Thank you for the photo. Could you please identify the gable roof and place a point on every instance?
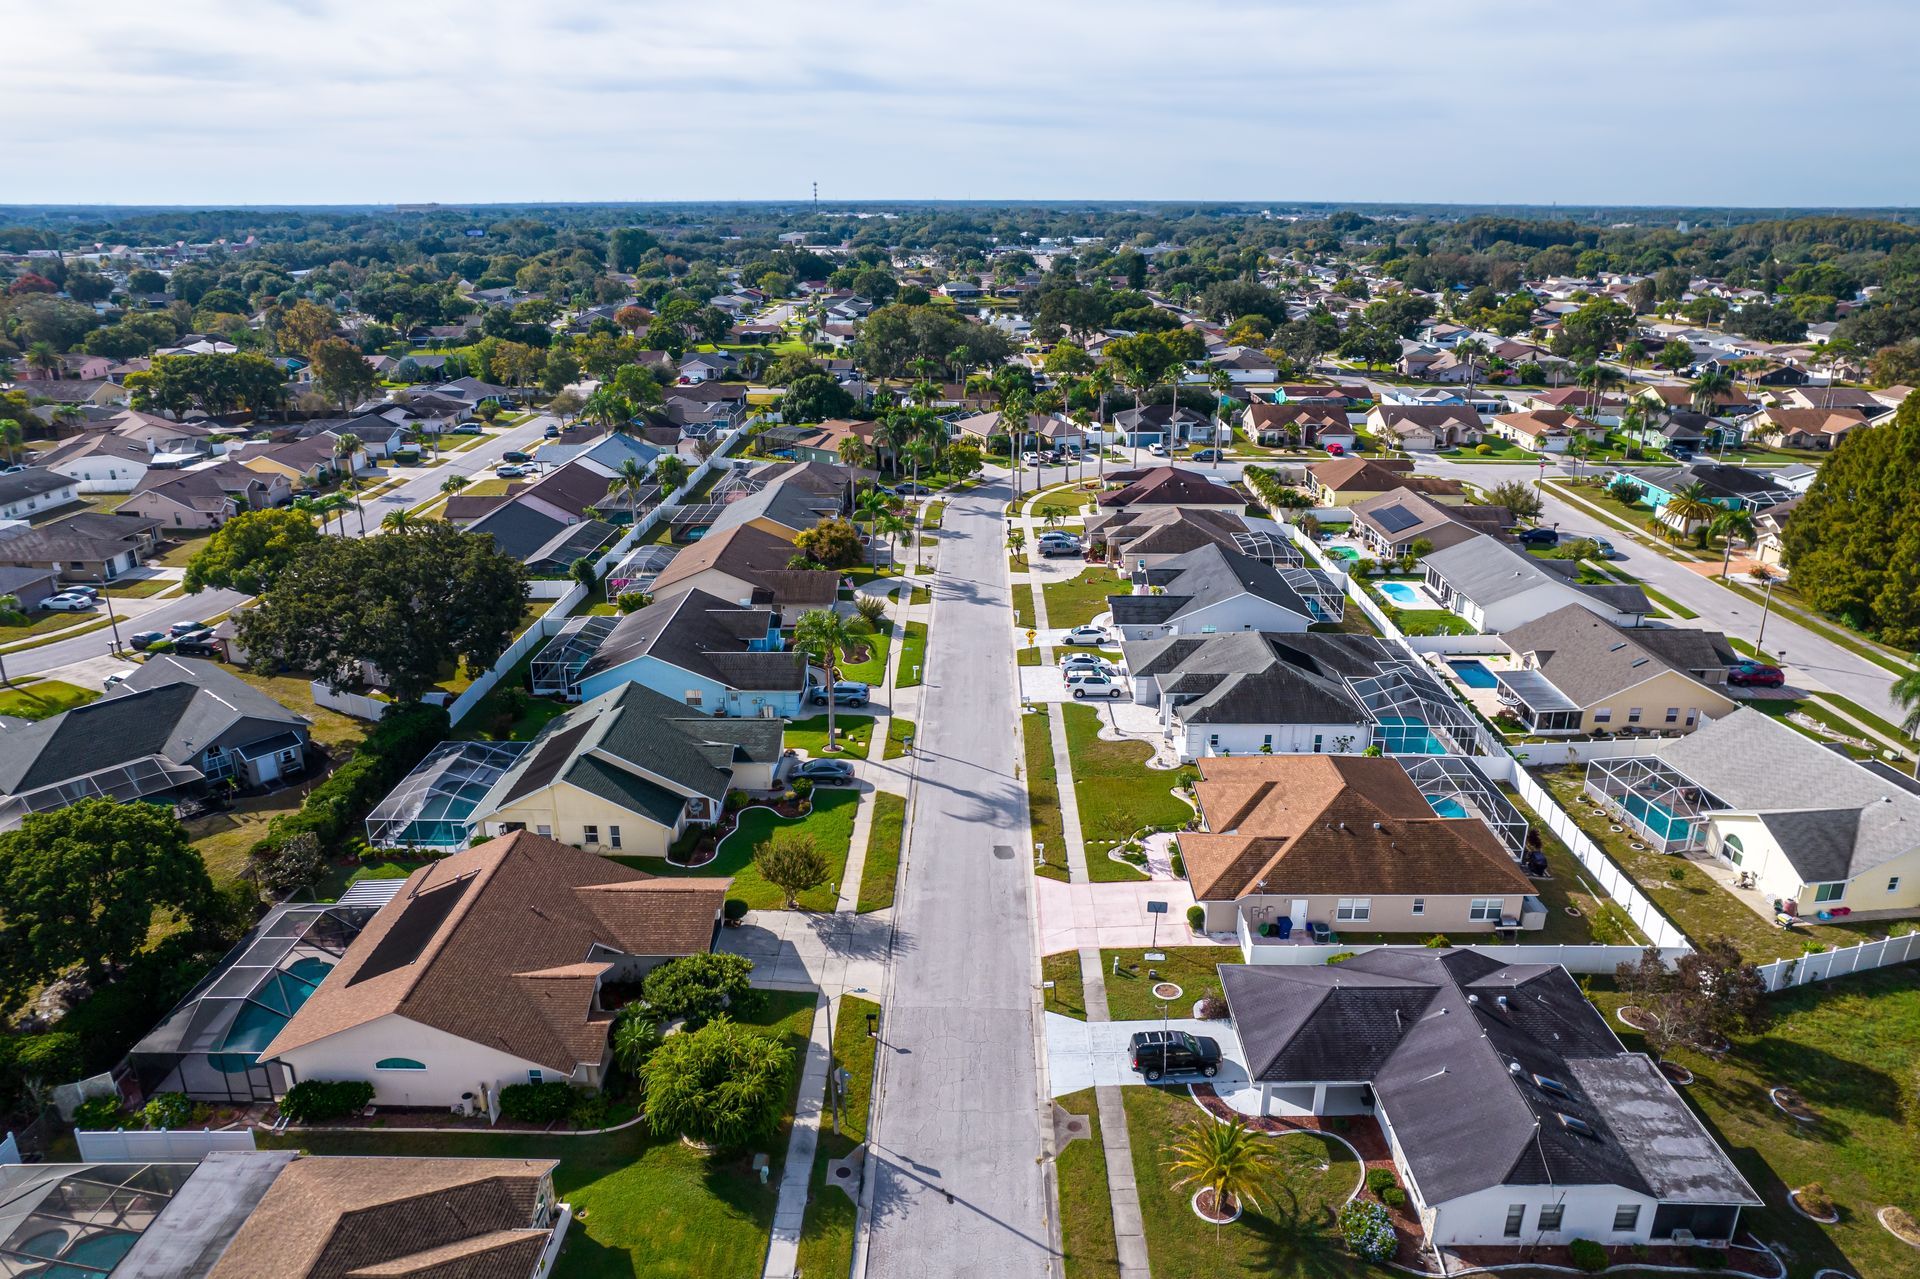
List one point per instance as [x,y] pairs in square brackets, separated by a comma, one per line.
[1169,486]
[458,949]
[1588,659]
[1486,571]
[705,635]
[758,558]
[1202,577]
[1256,677]
[1406,516]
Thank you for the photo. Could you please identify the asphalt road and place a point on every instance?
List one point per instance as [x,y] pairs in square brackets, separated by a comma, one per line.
[961,1177]
[142,615]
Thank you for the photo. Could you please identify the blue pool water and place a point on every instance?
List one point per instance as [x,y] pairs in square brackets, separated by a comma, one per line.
[1660,821]
[1445,806]
[1401,593]
[1344,553]
[98,1253]
[1474,674]
[266,1011]
[1404,735]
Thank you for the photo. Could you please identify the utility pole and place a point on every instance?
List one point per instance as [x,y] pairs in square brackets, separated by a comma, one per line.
[1765,607]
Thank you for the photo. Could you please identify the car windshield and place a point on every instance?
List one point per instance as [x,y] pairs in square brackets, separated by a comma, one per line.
[1189,1042]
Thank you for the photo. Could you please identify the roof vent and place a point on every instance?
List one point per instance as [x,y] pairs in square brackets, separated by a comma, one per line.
[1502,1001]
[1379,826]
[1473,1000]
[1513,1068]
[1343,825]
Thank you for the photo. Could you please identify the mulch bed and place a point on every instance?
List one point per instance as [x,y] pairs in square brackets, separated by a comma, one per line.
[1637,1017]
[1204,1209]
[1746,1258]
[1793,1104]
[1676,1073]
[1902,1230]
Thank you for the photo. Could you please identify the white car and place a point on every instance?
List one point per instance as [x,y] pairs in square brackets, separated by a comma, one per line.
[509,470]
[1094,685]
[1084,635]
[1030,458]
[1081,674]
[1157,449]
[72,602]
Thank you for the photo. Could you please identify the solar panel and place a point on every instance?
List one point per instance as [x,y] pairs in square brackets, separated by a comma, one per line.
[1395,519]
[419,920]
[1573,1125]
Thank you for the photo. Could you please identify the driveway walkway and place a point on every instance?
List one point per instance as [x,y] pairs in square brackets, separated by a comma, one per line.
[1093,1054]
[960,1182]
[1114,915]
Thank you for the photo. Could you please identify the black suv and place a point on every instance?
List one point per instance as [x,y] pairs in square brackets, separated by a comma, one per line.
[1539,537]
[1153,1053]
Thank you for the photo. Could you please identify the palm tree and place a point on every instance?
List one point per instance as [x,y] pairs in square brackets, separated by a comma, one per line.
[1707,390]
[892,523]
[43,357]
[1598,379]
[11,436]
[825,635]
[635,1035]
[855,451]
[1906,692]
[629,482]
[453,484]
[1222,383]
[1633,420]
[670,471]
[347,446]
[1471,352]
[401,521]
[1015,407]
[1689,505]
[352,488]
[870,505]
[1729,525]
[1228,1159]
[1100,381]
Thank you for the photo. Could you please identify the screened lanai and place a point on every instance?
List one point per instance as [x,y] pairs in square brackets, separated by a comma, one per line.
[1655,798]
[209,1046]
[1413,715]
[72,1221]
[431,806]
[1454,787]
[557,666]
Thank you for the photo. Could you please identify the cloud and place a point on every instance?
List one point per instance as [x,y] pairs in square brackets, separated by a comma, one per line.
[352,101]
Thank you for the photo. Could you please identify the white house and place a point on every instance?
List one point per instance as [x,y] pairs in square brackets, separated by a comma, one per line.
[1210,590]
[25,494]
[1496,587]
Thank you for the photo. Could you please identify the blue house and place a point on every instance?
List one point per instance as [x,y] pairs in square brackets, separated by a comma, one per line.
[706,653]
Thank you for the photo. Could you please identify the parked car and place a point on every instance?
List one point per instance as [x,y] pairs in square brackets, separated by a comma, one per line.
[515,455]
[1157,449]
[1606,548]
[1030,458]
[508,470]
[1057,548]
[180,630]
[1153,1053]
[1084,635]
[1058,535]
[1085,662]
[1087,684]
[146,639]
[1210,455]
[910,489]
[1336,450]
[846,693]
[469,428]
[551,433]
[1539,537]
[69,602]
[201,645]
[1752,674]
[825,772]
[91,592]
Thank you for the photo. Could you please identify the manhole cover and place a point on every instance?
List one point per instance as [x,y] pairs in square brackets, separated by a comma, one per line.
[1165,990]
[1003,851]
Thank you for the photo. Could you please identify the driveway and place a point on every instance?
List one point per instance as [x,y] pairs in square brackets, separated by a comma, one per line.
[1091,1054]
[1048,684]
[1114,916]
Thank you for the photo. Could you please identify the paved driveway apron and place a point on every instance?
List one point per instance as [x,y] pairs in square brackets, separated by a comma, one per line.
[960,1183]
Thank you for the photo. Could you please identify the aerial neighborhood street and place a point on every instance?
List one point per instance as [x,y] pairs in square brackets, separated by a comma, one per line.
[586,699]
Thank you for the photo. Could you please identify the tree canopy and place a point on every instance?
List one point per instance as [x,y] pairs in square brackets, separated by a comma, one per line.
[250,551]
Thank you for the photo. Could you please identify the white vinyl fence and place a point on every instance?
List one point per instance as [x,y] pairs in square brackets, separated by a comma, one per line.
[160,1145]
[1784,974]
[1575,959]
[1559,753]
[534,636]
[1457,644]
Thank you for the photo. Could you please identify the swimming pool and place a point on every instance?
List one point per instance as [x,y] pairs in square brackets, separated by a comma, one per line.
[97,1253]
[1343,553]
[1402,593]
[1404,735]
[270,1007]
[1446,806]
[1474,674]
[1657,819]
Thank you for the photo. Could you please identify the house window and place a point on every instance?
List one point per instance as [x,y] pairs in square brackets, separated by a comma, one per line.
[1516,1218]
[1673,714]
[1626,1217]
[1483,910]
[398,1063]
[589,834]
[1354,910]
[1266,742]
[1213,741]
[1736,851]
[1633,715]
[1829,892]
[1316,743]
[1419,905]
[1603,716]
[545,832]
[693,697]
[1893,884]
[1693,717]
[1550,1216]
[613,837]
[533,1076]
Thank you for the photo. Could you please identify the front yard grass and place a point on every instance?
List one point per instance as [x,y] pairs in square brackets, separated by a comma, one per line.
[872,666]
[44,623]
[900,732]
[880,872]
[1848,1046]
[140,588]
[1079,600]
[1290,1236]
[1043,794]
[1687,895]
[183,547]
[826,1235]
[1119,795]
[1068,996]
[852,732]
[831,825]
[43,698]
[1086,1207]
[643,1204]
[1067,499]
[913,656]
[1192,968]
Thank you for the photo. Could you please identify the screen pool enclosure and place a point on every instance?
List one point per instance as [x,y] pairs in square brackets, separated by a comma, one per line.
[209,1046]
[71,1221]
[432,807]
[1413,714]
[1454,787]
[557,666]
[1653,797]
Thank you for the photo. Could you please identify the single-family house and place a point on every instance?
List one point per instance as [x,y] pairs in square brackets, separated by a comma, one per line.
[1769,527]
[1730,403]
[1804,428]
[1426,427]
[1146,535]
[1394,523]
[1212,589]
[207,496]
[1496,587]
[1544,430]
[1160,424]
[746,564]
[1575,673]
[1737,488]
[1349,480]
[31,586]
[102,462]
[1871,404]
[1160,486]
[709,654]
[88,547]
[1290,424]
[34,491]
[450,993]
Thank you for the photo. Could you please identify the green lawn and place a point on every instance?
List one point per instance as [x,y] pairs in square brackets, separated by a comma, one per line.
[45,623]
[900,731]
[1696,904]
[831,825]
[295,692]
[184,546]
[872,666]
[1779,708]
[508,712]
[42,699]
[1119,796]
[643,1204]
[223,839]
[1079,600]
[1067,501]
[1043,794]
[140,588]
[1600,920]
[1290,1236]
[1192,968]
[1086,1207]
[826,1236]
[1789,601]
[1848,1046]
[913,656]
[853,730]
[882,867]
[1497,450]
[1023,604]
[1069,995]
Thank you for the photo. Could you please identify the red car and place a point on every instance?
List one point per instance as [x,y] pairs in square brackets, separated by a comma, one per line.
[1756,675]
[1336,450]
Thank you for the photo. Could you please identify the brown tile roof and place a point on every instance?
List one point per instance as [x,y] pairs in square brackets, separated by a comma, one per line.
[1538,422]
[755,556]
[488,944]
[382,1218]
[1364,475]
[1169,486]
[1334,824]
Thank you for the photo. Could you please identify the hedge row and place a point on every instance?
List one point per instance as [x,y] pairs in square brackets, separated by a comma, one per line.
[335,808]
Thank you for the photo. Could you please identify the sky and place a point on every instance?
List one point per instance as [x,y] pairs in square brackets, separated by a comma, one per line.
[205,102]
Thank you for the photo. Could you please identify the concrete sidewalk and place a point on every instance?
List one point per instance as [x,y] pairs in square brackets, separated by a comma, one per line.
[790,1210]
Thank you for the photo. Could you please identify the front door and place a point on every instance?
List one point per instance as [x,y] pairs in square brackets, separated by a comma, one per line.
[1299,912]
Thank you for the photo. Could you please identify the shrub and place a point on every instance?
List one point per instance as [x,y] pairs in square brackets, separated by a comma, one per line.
[542,1103]
[792,862]
[1814,1200]
[99,1114]
[802,788]
[1379,1179]
[1437,942]
[697,987]
[632,601]
[589,1109]
[724,1083]
[1213,1008]
[314,1100]
[1484,450]
[49,1059]
[1588,1256]
[1367,1230]
[1197,918]
[735,908]
[168,1110]
[871,608]
[1341,957]
[1179,864]
[1393,1197]
[1701,1257]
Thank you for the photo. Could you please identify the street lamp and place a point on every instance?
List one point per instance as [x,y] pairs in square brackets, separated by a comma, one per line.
[1766,606]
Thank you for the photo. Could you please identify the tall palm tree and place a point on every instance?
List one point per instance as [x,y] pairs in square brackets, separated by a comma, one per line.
[1598,379]
[1100,381]
[669,471]
[401,521]
[1707,390]
[891,523]
[351,489]
[825,636]
[855,451]
[1471,352]
[1729,525]
[1015,407]
[1230,1160]
[43,357]
[629,482]
[1906,692]
[1689,505]
[347,446]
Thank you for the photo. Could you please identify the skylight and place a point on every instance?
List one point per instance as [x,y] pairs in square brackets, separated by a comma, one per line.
[1578,1126]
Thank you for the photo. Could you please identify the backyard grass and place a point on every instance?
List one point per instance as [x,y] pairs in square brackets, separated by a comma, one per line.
[508,712]
[1290,1235]
[872,666]
[1601,920]
[1428,621]
[809,736]
[826,1235]
[223,839]
[1192,968]
[1086,1208]
[913,656]
[831,825]
[1043,795]
[900,732]
[1079,600]
[881,870]
[295,692]
[1848,1047]
[41,699]
[183,548]
[1068,996]
[1687,895]
[1119,795]
[643,1204]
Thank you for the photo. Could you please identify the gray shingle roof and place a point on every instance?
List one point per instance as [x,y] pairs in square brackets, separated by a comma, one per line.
[1256,677]
[1588,659]
[1208,576]
[706,635]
